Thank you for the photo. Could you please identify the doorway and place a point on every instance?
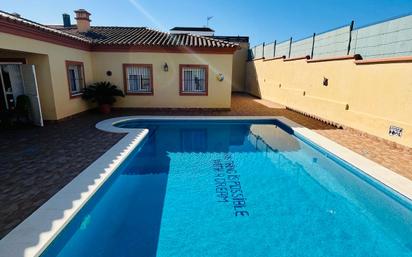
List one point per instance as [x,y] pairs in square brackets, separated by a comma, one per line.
[12,85]
[19,79]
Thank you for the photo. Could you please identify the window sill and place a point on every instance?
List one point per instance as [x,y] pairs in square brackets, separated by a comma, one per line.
[139,93]
[193,93]
[77,95]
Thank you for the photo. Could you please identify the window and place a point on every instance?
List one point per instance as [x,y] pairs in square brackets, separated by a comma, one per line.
[193,79]
[138,78]
[75,76]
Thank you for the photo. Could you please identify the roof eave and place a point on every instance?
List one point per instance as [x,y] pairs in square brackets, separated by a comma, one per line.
[162,49]
[22,30]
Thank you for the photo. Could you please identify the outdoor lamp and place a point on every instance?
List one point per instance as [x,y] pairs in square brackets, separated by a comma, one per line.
[220,77]
[165,67]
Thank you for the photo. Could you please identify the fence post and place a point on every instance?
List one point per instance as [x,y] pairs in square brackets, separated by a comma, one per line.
[290,46]
[274,49]
[350,36]
[313,45]
[263,50]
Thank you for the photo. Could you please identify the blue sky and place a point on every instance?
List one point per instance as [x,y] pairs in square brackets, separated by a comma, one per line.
[262,21]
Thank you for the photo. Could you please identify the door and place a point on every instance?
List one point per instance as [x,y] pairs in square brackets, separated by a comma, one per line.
[3,102]
[30,89]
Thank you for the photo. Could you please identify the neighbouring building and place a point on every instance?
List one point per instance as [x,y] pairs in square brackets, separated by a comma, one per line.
[53,63]
[201,31]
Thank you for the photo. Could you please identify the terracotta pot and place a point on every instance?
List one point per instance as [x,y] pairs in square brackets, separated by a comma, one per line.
[105,108]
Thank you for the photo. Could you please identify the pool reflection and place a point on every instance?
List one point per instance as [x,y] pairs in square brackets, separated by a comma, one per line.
[126,219]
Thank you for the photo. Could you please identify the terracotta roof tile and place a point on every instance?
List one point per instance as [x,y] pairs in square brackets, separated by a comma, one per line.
[107,35]
[110,35]
[19,20]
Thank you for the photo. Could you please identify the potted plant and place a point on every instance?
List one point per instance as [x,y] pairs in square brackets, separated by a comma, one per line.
[103,93]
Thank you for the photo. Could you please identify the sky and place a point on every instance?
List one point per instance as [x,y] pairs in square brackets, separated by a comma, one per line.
[261,20]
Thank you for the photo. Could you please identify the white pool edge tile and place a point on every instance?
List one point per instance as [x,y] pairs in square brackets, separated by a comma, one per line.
[31,237]
[391,179]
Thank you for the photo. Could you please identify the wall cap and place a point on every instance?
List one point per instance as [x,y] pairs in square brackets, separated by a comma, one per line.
[274,58]
[297,58]
[385,60]
[336,58]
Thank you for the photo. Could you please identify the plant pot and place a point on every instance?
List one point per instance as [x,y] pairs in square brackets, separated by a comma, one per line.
[105,108]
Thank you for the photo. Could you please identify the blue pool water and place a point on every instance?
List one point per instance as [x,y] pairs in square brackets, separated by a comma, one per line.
[248,188]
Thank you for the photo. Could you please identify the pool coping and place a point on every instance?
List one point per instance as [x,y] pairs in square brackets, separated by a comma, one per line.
[31,237]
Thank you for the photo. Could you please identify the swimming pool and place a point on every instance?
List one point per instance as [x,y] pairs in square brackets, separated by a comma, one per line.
[236,188]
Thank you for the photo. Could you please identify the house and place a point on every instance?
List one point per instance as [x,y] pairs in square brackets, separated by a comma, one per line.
[53,63]
[239,57]
[202,31]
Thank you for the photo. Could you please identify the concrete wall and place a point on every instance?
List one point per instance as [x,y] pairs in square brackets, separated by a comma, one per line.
[239,68]
[166,84]
[366,97]
[49,60]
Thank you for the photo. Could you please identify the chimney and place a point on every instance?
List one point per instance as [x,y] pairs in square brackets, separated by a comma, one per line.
[16,15]
[83,21]
[66,20]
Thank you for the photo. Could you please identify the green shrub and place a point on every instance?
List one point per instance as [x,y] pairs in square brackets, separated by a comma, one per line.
[102,93]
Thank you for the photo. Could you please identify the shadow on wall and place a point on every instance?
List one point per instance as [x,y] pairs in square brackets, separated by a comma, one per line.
[252,81]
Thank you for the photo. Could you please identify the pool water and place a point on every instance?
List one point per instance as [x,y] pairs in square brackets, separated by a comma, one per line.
[248,188]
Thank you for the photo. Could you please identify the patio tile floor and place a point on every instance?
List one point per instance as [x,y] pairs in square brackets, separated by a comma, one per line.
[35,163]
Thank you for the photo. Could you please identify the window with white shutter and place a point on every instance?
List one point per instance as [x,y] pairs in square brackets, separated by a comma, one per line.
[193,79]
[138,78]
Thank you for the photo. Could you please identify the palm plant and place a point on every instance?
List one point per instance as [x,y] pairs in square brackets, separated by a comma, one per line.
[103,93]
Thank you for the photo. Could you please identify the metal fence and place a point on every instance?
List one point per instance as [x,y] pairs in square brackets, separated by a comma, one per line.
[301,47]
[269,50]
[282,49]
[390,38]
[384,39]
[332,43]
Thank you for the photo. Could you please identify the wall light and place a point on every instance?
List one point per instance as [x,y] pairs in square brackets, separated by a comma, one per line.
[325,81]
[220,77]
[165,67]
